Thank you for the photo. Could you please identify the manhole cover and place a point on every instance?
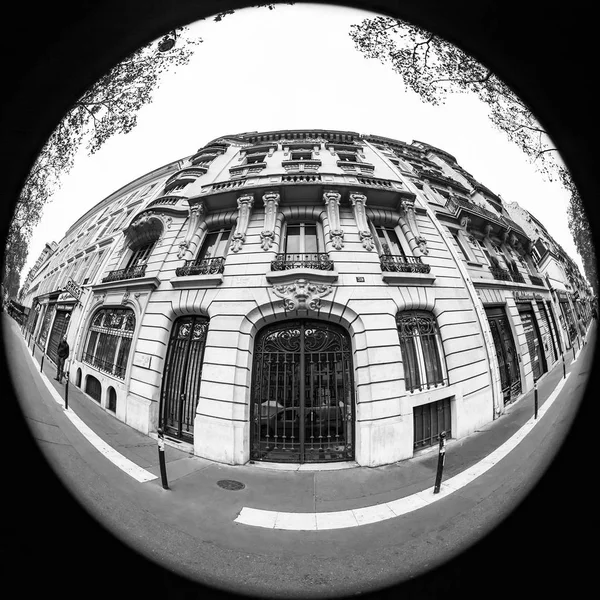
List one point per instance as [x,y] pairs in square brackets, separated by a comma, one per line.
[230,484]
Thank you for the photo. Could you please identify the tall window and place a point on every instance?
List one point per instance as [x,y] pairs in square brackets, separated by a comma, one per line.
[421,350]
[109,340]
[140,256]
[485,252]
[390,244]
[460,245]
[216,244]
[302,238]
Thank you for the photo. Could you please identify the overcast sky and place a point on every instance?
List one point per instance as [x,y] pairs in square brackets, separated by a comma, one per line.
[263,70]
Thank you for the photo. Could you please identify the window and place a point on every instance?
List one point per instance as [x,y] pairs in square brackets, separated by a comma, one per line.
[500,256]
[94,266]
[140,256]
[109,340]
[429,420]
[178,187]
[421,350]
[255,158]
[302,238]
[216,244]
[301,154]
[390,244]
[460,245]
[485,251]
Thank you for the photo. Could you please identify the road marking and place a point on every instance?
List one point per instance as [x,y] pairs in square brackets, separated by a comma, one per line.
[126,465]
[318,521]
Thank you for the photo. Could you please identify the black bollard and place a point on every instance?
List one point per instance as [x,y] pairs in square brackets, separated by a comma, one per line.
[535,400]
[564,368]
[67,391]
[573,346]
[161,458]
[440,465]
[42,363]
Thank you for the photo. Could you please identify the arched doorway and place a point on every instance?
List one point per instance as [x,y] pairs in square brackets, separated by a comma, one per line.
[182,377]
[302,405]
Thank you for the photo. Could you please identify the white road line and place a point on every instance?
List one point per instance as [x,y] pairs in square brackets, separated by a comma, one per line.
[126,465]
[318,521]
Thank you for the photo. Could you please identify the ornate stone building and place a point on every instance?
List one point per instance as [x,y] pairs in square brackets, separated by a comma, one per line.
[301,296]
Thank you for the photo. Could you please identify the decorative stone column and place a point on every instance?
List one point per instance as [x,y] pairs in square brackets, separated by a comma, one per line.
[358,206]
[245,204]
[410,228]
[271,202]
[197,215]
[332,202]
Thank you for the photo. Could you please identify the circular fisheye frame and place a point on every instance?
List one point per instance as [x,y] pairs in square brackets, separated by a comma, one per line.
[299,348]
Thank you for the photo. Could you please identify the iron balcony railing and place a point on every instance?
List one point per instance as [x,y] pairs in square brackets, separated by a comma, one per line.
[104,365]
[319,261]
[516,276]
[205,266]
[536,280]
[129,273]
[403,264]
[500,274]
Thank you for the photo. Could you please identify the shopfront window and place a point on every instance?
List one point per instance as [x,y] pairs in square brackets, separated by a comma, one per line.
[109,340]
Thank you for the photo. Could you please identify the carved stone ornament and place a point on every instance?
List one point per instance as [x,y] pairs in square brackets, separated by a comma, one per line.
[271,202]
[125,297]
[487,230]
[302,294]
[332,202]
[360,216]
[244,208]
[408,224]
[197,214]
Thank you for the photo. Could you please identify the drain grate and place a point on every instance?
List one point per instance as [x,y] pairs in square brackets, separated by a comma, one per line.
[230,484]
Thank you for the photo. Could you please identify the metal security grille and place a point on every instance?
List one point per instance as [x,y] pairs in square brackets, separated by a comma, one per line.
[549,335]
[43,335]
[58,330]
[429,420]
[534,343]
[302,407]
[421,350]
[510,378]
[109,340]
[182,376]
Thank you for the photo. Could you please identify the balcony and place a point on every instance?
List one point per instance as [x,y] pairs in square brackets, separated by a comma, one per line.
[536,280]
[206,266]
[301,164]
[350,165]
[315,267]
[516,276]
[122,274]
[403,264]
[500,274]
[405,270]
[319,261]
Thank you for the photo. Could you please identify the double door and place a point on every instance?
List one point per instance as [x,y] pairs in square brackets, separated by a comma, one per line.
[302,405]
[506,353]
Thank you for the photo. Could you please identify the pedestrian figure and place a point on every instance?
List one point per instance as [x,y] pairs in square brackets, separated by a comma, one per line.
[63,353]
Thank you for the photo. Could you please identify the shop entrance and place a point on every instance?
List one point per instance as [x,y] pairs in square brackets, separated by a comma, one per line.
[59,328]
[302,405]
[506,353]
[534,342]
[550,339]
[182,376]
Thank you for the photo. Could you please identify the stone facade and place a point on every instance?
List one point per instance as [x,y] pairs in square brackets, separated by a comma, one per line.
[363,233]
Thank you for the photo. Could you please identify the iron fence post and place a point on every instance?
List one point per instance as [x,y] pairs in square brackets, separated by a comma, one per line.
[535,399]
[441,461]
[161,458]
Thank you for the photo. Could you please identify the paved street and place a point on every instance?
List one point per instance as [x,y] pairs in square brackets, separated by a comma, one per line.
[191,528]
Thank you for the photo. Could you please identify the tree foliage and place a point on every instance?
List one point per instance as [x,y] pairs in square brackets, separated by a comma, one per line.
[108,108]
[433,68]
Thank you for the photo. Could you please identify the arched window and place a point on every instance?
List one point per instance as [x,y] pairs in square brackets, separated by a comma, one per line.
[109,340]
[421,349]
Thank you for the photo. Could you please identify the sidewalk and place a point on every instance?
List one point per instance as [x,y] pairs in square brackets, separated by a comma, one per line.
[196,481]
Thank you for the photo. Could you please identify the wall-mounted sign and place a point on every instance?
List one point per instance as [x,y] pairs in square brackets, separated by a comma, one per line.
[64,307]
[73,289]
[520,296]
[562,296]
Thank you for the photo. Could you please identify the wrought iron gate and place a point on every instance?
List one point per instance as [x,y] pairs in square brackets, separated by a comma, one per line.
[506,354]
[534,343]
[302,406]
[182,377]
